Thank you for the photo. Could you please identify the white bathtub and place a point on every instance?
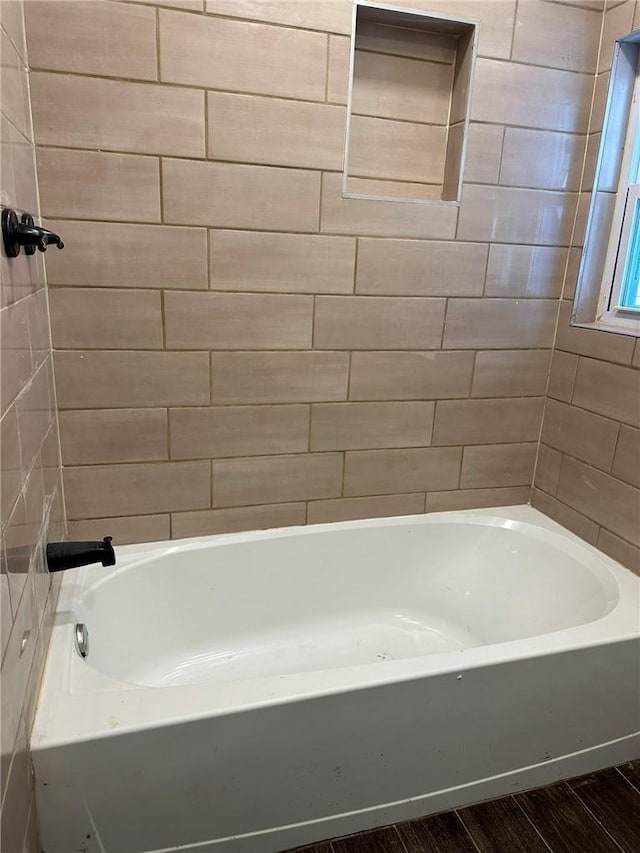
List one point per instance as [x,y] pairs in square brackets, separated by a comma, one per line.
[254,692]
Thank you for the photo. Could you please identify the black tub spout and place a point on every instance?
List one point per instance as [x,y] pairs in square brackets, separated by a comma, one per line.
[70,555]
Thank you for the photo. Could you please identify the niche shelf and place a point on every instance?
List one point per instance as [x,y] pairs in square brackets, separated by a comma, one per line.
[410,80]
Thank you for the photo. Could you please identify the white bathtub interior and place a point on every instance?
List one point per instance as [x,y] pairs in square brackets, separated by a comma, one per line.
[298,603]
[255,692]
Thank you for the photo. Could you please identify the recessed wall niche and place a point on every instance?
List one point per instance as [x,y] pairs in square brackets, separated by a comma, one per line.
[408,110]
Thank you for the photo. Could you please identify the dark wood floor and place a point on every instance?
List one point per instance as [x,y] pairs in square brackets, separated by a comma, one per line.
[592,814]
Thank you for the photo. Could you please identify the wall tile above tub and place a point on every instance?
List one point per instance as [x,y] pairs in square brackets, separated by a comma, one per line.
[13,25]
[96,491]
[571,275]
[203,433]
[607,389]
[487,421]
[499,323]
[527,271]
[125,530]
[593,375]
[540,36]
[244,57]
[370,322]
[493,465]
[35,411]
[338,70]
[604,499]
[31,510]
[104,379]
[620,550]
[420,375]
[10,462]
[420,268]
[511,373]
[361,426]
[379,472]
[504,92]
[348,509]
[229,195]
[276,479]
[274,131]
[541,159]
[271,262]
[94,185]
[566,516]
[16,351]
[97,318]
[138,118]
[114,435]
[332,16]
[507,215]
[238,321]
[210,521]
[111,39]
[590,438]
[625,463]
[562,375]
[318,307]
[484,153]
[14,88]
[548,468]
[374,219]
[278,377]
[108,254]
[39,328]
[476,498]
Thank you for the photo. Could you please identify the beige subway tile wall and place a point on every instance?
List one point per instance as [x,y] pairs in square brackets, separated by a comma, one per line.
[308,357]
[31,505]
[588,471]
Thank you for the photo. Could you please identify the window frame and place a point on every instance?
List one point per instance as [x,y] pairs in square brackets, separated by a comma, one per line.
[597,287]
[626,215]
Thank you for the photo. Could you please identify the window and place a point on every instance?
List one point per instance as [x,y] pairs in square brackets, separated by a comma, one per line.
[620,295]
[608,292]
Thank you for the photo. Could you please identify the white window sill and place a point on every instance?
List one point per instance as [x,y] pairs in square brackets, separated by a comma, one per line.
[618,323]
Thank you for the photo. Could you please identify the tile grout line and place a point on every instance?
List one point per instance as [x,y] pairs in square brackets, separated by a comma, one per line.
[352,234]
[157,34]
[615,448]
[326,76]
[585,517]
[532,822]
[593,815]
[163,81]
[399,837]
[627,780]
[467,831]
[293,402]
[513,31]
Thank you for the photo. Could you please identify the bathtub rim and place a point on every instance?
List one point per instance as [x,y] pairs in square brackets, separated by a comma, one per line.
[78,702]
